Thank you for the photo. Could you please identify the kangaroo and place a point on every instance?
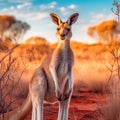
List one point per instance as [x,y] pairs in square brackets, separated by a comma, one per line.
[53,80]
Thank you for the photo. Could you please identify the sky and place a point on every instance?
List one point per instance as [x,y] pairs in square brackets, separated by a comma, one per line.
[36,14]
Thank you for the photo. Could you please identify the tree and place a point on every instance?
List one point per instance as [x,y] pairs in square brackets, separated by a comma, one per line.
[5,22]
[36,40]
[16,32]
[105,31]
[117,11]
[12,30]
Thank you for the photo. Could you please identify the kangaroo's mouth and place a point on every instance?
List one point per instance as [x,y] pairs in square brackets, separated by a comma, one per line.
[62,38]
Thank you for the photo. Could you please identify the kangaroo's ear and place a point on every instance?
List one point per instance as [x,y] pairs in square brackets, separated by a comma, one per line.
[73,18]
[55,18]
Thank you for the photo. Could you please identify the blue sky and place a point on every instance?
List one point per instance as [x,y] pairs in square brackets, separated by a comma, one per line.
[36,14]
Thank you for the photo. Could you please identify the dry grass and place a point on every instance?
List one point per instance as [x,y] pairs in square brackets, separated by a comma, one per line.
[92,74]
[112,110]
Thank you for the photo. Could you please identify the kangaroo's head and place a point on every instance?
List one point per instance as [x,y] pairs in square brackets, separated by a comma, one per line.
[64,28]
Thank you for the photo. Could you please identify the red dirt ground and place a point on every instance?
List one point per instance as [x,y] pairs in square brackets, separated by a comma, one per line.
[83,106]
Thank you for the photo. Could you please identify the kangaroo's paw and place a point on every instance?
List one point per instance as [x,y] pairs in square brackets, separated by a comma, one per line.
[67,94]
[59,95]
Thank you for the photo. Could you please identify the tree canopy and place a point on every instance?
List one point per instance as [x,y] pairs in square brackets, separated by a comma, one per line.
[11,29]
[105,31]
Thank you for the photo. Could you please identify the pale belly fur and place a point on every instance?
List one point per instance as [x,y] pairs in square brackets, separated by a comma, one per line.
[62,71]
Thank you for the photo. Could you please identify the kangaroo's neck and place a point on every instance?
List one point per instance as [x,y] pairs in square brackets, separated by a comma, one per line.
[62,49]
[63,44]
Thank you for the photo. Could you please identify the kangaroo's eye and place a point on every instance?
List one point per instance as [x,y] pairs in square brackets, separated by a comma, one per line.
[58,29]
[68,29]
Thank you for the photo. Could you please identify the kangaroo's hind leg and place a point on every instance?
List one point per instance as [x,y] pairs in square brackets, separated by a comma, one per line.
[63,109]
[37,89]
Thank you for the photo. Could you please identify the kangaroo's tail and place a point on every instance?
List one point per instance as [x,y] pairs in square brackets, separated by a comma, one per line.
[19,112]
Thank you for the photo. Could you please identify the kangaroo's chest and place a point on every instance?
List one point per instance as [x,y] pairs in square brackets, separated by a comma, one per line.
[62,68]
[64,63]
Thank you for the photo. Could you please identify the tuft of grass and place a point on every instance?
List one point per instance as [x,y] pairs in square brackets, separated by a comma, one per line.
[98,86]
[112,110]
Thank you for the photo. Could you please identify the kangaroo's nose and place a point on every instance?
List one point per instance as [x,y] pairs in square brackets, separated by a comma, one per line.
[62,35]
